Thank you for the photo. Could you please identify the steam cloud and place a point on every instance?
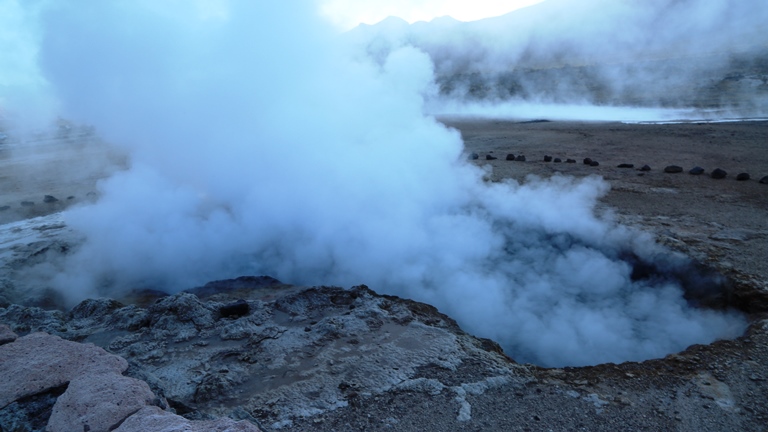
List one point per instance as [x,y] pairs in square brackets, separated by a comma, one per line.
[260,145]
[711,55]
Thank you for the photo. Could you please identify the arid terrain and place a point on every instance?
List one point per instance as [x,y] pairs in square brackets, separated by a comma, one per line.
[723,223]
[323,359]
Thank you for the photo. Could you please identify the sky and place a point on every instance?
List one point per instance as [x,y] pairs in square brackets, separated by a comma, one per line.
[347,14]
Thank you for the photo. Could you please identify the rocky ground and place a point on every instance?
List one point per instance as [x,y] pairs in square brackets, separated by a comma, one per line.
[255,353]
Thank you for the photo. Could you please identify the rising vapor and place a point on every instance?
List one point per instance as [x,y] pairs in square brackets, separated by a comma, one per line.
[261,145]
[711,55]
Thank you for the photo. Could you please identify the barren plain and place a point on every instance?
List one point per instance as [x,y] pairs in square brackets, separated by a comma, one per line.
[325,359]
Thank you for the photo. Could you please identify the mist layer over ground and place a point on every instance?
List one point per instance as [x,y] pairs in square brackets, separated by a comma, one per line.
[682,54]
[259,146]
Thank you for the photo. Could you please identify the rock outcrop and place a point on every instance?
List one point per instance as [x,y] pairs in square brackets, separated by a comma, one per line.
[326,358]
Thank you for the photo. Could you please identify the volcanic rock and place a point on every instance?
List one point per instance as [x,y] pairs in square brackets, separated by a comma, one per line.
[558,160]
[742,176]
[6,335]
[204,367]
[473,156]
[764,180]
[489,157]
[520,158]
[594,163]
[547,158]
[645,168]
[673,169]
[98,402]
[510,157]
[49,199]
[587,161]
[570,161]
[697,170]
[38,361]
[152,418]
[718,174]
[626,165]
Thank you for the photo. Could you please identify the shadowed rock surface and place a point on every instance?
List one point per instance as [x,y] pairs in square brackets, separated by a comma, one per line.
[326,358]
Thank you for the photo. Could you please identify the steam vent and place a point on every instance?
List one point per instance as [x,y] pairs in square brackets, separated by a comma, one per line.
[269,216]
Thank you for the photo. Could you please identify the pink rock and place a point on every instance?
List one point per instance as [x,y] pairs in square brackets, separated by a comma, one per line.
[39,361]
[6,335]
[98,402]
[152,418]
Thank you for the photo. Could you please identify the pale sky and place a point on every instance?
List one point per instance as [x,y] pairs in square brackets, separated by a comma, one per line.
[349,13]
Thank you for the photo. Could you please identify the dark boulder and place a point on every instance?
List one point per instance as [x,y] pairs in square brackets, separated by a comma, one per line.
[510,157]
[558,160]
[673,169]
[587,161]
[473,156]
[742,177]
[764,180]
[570,161]
[626,165]
[489,157]
[697,170]
[50,199]
[645,168]
[547,158]
[718,174]
[520,158]
[594,163]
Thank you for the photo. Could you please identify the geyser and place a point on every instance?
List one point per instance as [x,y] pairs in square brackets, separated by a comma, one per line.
[260,145]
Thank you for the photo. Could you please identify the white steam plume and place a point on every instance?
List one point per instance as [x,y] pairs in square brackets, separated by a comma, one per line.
[707,54]
[259,147]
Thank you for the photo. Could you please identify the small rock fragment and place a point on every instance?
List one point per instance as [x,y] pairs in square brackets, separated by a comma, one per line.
[626,165]
[718,174]
[673,169]
[594,163]
[697,170]
[520,158]
[645,168]
[48,199]
[489,157]
[742,176]
[473,156]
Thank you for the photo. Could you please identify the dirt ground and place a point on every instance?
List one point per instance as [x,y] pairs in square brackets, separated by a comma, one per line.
[723,223]
[64,163]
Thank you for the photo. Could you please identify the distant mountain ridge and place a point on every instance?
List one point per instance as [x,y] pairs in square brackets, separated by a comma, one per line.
[652,52]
